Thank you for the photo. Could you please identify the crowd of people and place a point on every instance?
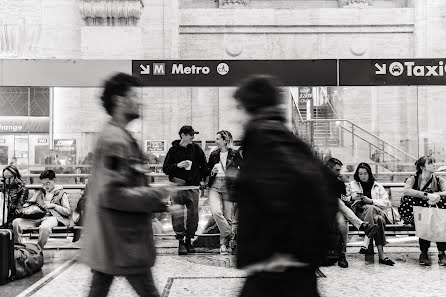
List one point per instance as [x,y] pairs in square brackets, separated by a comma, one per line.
[275,176]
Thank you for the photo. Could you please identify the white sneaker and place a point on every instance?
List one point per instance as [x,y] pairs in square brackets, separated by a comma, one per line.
[223,250]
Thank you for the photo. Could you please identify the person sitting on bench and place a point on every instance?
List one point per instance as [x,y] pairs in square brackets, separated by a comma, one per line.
[54,200]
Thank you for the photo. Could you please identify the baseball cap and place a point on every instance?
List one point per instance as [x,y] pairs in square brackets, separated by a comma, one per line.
[188,130]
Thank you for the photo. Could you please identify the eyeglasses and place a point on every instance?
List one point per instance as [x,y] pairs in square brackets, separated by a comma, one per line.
[47,184]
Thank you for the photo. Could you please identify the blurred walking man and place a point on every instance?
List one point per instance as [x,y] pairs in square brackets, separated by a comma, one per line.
[286,207]
[120,203]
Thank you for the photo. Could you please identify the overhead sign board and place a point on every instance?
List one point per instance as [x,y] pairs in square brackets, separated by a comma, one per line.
[219,73]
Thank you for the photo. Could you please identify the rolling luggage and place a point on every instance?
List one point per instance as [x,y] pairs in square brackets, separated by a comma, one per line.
[7,262]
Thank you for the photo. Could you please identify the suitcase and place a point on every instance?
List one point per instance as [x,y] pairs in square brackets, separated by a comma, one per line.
[7,262]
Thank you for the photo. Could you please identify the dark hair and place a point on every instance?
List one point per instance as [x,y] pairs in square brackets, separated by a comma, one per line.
[49,174]
[257,92]
[118,85]
[226,136]
[421,162]
[367,168]
[332,162]
[13,169]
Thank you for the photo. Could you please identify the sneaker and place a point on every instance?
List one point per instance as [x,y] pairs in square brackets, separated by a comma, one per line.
[425,259]
[342,262]
[189,247]
[369,229]
[182,250]
[224,250]
[442,259]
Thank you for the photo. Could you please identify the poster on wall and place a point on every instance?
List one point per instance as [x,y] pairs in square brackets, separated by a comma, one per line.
[66,150]
[155,146]
[4,155]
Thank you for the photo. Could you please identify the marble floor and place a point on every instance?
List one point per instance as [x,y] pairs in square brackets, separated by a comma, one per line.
[210,274]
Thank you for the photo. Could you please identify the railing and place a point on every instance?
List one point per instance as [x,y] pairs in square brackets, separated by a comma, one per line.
[354,133]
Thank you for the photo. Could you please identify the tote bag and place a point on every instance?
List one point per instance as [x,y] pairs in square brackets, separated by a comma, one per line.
[430,223]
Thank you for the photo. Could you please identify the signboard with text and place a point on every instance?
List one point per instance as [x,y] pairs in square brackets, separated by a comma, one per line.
[392,72]
[66,150]
[23,124]
[220,73]
[305,94]
[155,146]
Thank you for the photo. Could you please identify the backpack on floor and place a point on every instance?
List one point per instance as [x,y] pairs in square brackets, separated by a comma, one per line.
[28,259]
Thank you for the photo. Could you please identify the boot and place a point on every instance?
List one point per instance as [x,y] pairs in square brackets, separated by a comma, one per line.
[182,250]
[189,247]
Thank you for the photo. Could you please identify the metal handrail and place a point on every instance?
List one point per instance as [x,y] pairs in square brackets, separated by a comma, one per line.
[366,131]
[372,144]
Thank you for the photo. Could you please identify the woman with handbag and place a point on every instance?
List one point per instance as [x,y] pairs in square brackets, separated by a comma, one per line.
[370,200]
[423,189]
[15,193]
[222,161]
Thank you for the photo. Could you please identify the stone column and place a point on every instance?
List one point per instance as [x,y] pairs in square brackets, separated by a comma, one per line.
[233,3]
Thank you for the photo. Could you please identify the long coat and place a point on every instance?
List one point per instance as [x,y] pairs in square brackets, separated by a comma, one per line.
[118,229]
[286,197]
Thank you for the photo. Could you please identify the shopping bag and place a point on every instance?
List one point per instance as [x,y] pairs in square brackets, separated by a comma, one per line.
[430,223]
[3,215]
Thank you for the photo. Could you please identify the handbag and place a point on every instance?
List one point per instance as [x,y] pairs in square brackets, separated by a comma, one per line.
[32,212]
[430,223]
[407,203]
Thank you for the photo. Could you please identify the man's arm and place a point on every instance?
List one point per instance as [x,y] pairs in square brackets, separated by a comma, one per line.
[118,195]
[169,166]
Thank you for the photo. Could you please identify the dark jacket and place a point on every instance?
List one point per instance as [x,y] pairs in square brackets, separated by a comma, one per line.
[233,162]
[285,203]
[17,193]
[118,224]
[178,153]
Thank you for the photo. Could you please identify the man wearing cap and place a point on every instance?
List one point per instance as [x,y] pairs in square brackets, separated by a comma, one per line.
[185,164]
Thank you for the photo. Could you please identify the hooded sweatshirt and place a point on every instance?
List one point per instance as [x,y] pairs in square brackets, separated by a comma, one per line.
[178,153]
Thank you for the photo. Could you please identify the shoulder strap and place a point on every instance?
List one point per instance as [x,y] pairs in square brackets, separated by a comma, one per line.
[427,184]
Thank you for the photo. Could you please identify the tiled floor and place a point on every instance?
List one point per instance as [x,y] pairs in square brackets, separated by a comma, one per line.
[214,275]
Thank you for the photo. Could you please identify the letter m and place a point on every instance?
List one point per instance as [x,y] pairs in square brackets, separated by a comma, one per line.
[159,68]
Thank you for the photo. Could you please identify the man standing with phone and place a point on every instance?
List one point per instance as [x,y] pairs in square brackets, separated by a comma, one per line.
[185,164]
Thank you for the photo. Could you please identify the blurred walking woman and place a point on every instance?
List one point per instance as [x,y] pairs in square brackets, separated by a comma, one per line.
[222,160]
[15,191]
[370,201]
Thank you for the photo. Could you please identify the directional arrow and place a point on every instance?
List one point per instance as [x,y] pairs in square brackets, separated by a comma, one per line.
[381,69]
[145,70]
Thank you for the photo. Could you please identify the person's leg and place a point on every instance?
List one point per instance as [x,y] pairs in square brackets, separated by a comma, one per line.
[349,214]
[441,246]
[100,284]
[178,219]
[343,229]
[47,224]
[228,213]
[292,282]
[191,202]
[143,284]
[424,245]
[19,224]
[374,215]
[215,203]
[424,256]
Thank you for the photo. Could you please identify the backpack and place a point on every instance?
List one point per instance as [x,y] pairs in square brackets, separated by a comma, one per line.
[28,259]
